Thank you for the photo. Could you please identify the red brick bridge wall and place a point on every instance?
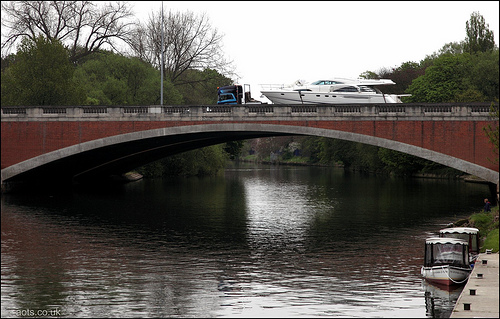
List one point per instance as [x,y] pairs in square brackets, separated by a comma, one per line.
[461,139]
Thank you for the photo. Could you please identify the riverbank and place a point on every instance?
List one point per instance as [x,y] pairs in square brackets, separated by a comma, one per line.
[304,161]
[487,223]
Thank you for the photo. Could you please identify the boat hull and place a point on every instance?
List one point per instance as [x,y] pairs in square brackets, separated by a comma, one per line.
[296,97]
[446,275]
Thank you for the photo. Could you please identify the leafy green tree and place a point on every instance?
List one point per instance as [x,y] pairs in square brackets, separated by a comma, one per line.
[334,151]
[199,162]
[449,48]
[442,81]
[399,163]
[479,37]
[311,147]
[367,158]
[200,87]
[369,75]
[233,148]
[41,74]
[484,74]
[112,79]
[7,61]
[404,75]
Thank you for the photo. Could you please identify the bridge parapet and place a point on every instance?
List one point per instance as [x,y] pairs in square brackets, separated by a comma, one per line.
[420,111]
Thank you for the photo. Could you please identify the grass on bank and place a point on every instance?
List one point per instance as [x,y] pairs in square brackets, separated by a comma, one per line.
[487,223]
[491,241]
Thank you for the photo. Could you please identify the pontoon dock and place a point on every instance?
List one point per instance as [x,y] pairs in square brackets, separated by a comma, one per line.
[479,299]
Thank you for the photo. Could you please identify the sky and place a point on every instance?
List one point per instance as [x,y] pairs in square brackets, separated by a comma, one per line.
[279,42]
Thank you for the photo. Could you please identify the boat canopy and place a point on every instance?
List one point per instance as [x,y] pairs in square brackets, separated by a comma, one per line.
[446,251]
[469,234]
[446,240]
[459,230]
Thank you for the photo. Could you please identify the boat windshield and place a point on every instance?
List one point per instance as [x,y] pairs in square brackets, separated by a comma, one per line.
[447,254]
[365,88]
[324,82]
[471,238]
[345,89]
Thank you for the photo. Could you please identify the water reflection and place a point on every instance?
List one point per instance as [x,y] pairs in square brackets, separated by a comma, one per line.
[257,242]
[440,300]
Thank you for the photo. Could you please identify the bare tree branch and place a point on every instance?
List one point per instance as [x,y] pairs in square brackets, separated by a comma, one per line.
[190,43]
[80,25]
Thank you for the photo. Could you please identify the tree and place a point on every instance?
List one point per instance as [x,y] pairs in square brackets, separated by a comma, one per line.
[113,79]
[233,148]
[81,25]
[40,75]
[190,42]
[405,164]
[201,86]
[311,147]
[479,38]
[484,74]
[443,81]
[449,48]
[203,161]
[402,76]
[369,75]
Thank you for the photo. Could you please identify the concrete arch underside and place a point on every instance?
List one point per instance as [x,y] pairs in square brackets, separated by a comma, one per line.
[122,153]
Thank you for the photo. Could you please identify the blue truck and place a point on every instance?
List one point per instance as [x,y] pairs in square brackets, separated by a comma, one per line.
[235,94]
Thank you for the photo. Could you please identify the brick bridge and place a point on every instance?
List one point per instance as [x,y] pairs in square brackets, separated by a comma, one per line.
[79,143]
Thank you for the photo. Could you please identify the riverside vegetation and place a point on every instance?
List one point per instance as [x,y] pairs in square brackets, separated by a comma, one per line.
[487,223]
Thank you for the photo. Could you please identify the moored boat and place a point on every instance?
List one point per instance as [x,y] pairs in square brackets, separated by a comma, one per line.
[469,234]
[332,91]
[446,261]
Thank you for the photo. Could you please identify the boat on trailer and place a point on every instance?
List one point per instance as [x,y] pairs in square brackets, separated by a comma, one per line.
[469,234]
[331,91]
[446,261]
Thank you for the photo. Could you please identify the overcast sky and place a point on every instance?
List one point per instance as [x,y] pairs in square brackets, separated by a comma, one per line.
[280,42]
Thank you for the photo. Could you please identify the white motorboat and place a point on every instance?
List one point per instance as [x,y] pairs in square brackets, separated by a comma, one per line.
[333,91]
[469,234]
[446,261]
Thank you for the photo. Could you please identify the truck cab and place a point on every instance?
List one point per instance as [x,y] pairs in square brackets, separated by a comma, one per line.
[230,94]
[235,94]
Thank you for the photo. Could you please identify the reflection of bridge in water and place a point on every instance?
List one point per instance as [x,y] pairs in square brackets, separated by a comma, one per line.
[64,144]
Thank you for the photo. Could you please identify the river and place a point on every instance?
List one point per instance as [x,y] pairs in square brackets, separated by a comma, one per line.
[257,241]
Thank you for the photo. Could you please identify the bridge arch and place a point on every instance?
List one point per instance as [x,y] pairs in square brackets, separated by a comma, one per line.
[121,153]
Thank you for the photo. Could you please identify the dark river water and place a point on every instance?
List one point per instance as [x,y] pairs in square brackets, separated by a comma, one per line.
[258,241]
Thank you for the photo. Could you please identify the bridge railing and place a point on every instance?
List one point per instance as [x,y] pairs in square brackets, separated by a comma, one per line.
[249,111]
